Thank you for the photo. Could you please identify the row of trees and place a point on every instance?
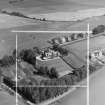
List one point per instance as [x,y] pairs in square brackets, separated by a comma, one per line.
[39,94]
[73,36]
[19,14]
[15,14]
[55,86]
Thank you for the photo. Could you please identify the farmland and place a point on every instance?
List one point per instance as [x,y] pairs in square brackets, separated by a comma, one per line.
[74,59]
[77,50]
[35,6]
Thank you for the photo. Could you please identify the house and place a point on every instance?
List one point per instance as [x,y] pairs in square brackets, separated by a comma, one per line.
[93,55]
[98,55]
[48,54]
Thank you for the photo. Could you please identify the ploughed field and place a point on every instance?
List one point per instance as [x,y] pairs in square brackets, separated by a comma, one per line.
[35,6]
[79,49]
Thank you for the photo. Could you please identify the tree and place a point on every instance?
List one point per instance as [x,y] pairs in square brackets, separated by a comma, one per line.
[43,92]
[92,69]
[53,73]
[98,29]
[84,72]
[80,35]
[28,55]
[74,78]
[14,53]
[67,40]
[36,50]
[7,61]
[78,74]
[62,51]
[68,79]
[43,70]
[47,72]
[73,37]
[0,76]
[36,95]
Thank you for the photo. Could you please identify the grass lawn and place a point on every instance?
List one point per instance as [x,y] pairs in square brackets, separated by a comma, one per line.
[58,63]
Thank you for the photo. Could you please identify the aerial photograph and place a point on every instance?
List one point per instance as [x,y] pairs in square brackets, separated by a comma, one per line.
[52,52]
